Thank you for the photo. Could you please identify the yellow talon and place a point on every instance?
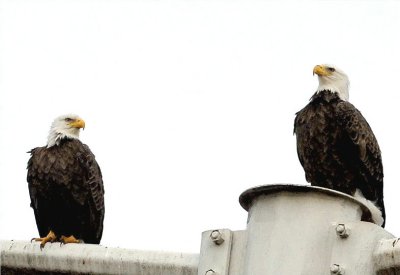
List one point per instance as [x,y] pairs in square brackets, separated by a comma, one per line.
[70,239]
[51,237]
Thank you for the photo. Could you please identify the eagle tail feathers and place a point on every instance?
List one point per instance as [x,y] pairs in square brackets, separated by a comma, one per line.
[375,211]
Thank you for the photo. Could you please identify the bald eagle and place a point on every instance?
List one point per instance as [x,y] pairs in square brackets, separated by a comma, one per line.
[66,186]
[336,145]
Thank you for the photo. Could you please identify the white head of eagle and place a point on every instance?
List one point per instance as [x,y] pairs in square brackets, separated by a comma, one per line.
[65,126]
[332,79]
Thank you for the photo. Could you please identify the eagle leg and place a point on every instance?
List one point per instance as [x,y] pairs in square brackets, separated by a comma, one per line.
[70,239]
[51,237]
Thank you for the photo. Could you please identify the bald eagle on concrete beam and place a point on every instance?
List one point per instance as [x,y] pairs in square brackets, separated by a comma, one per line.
[336,145]
[66,186]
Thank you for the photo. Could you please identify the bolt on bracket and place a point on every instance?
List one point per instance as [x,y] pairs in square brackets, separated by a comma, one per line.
[215,252]
[337,269]
[342,231]
[216,237]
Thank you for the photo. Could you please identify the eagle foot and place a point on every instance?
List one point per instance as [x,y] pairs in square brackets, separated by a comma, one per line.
[51,237]
[70,239]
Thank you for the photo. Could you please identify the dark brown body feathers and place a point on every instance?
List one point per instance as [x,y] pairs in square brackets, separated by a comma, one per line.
[66,191]
[338,149]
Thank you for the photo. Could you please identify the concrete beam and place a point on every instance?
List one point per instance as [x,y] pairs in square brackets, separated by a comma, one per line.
[93,259]
[387,257]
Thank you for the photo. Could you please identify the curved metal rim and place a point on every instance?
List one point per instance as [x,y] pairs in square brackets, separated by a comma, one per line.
[247,197]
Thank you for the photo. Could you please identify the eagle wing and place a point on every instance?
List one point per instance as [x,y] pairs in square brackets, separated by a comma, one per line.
[370,162]
[94,180]
[37,191]
[303,136]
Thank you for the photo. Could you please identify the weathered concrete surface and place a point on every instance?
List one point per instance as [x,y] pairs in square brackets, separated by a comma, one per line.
[25,257]
[387,257]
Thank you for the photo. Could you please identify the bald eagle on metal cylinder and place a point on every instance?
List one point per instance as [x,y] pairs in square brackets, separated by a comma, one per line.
[66,186]
[336,145]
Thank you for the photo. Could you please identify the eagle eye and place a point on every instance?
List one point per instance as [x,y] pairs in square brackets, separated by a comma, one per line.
[68,119]
[331,69]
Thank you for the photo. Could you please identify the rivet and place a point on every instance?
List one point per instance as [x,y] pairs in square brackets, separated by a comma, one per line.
[210,272]
[216,237]
[337,269]
[342,231]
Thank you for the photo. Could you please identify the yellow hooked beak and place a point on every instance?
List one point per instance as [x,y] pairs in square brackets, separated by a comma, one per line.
[77,123]
[321,71]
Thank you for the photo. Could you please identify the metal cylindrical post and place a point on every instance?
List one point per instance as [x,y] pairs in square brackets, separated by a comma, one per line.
[289,227]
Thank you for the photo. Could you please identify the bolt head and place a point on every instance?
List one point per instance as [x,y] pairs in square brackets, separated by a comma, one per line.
[215,234]
[216,237]
[210,272]
[342,231]
[340,228]
[336,269]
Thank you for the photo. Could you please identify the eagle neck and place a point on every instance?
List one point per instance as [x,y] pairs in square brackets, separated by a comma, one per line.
[339,88]
[326,96]
[56,137]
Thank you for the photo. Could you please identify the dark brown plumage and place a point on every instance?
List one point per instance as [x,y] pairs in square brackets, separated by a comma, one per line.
[66,190]
[338,149]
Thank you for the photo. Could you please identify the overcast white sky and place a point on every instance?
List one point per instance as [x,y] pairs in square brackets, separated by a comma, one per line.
[186,103]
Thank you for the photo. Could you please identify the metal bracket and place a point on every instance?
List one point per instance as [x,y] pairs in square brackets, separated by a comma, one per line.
[353,250]
[215,252]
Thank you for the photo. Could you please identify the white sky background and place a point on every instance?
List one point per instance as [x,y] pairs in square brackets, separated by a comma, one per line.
[187,103]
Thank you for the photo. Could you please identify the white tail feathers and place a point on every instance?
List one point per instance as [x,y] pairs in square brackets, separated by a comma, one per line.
[375,211]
